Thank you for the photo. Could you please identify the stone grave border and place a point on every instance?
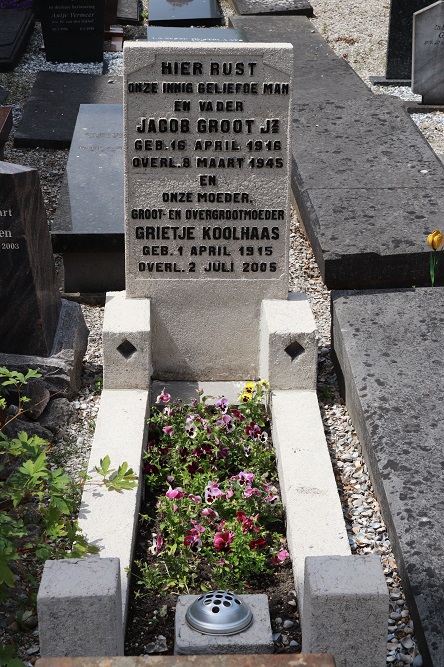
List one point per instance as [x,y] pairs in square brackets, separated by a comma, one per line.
[315,524]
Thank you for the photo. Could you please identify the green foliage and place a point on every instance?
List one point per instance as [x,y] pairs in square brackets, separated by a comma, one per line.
[116,480]
[7,654]
[211,472]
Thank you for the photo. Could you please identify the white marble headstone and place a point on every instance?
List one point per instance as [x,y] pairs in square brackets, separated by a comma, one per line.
[207,167]
[428,53]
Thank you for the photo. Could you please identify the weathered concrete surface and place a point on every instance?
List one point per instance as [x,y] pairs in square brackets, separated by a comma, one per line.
[367,184]
[291,660]
[389,348]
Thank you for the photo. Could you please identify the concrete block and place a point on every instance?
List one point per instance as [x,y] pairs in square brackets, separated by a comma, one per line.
[315,523]
[109,519]
[255,639]
[346,603]
[288,350]
[79,607]
[126,342]
[187,391]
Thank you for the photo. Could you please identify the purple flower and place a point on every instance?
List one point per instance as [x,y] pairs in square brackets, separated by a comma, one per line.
[197,499]
[169,430]
[251,491]
[212,491]
[222,405]
[208,512]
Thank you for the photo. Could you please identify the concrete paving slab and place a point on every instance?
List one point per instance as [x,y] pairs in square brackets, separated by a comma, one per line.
[318,73]
[389,348]
[50,115]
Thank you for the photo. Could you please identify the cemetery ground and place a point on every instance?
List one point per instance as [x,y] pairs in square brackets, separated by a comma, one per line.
[358,34]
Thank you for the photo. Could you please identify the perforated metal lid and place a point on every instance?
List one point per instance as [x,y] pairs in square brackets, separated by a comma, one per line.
[219,613]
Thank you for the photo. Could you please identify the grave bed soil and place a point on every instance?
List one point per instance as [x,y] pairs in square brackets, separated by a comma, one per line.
[151,617]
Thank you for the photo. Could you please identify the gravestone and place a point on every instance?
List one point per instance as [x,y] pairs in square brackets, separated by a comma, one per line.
[399,46]
[5,127]
[207,198]
[428,53]
[113,33]
[50,114]
[29,297]
[129,12]
[3,94]
[15,30]
[185,13]
[88,226]
[73,30]
[162,34]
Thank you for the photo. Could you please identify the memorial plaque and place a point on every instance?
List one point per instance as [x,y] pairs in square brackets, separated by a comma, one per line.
[207,190]
[73,30]
[30,300]
[428,53]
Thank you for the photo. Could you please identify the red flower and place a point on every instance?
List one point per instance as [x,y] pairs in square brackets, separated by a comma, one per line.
[258,543]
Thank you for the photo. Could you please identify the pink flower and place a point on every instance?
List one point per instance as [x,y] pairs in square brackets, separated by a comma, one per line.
[197,527]
[280,557]
[159,544]
[248,522]
[251,491]
[210,513]
[212,491]
[244,477]
[197,499]
[192,540]
[169,430]
[223,563]
[163,397]
[176,493]
[222,541]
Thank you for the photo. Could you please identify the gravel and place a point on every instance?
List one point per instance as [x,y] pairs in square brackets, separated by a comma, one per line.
[357,32]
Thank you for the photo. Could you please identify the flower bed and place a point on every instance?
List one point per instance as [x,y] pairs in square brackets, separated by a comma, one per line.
[213,516]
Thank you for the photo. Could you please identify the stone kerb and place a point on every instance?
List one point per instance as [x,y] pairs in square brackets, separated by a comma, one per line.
[206,198]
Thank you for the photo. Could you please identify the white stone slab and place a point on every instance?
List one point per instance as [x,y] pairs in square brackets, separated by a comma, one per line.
[207,198]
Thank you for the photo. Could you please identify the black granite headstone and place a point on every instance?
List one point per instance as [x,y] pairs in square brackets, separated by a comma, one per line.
[15,29]
[184,13]
[49,116]
[30,301]
[399,46]
[73,30]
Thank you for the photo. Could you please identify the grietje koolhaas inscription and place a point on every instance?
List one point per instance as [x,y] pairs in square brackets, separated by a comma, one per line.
[30,302]
[207,206]
[428,53]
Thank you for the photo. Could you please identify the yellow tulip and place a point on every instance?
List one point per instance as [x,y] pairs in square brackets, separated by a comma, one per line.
[435,239]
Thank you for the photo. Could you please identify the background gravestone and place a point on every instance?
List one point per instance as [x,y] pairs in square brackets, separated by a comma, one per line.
[89,223]
[399,46]
[29,298]
[15,30]
[73,30]
[428,53]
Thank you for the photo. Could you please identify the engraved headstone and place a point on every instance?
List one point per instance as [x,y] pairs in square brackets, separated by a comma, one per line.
[185,13]
[207,167]
[73,30]
[88,227]
[399,46]
[428,53]
[29,298]
[15,30]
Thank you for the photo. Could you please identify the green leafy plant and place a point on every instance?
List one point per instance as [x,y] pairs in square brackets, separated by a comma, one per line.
[116,480]
[435,241]
[219,521]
